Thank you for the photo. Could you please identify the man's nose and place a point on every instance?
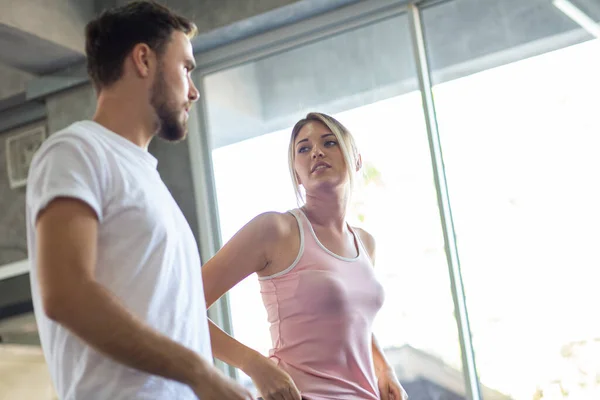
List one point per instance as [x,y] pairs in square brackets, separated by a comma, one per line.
[194,93]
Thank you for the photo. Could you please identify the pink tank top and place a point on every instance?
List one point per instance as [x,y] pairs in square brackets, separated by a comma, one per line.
[321,311]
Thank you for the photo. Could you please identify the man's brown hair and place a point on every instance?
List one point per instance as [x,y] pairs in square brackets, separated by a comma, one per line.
[112,35]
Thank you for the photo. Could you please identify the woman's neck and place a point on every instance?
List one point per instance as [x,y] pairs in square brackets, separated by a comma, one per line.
[327,211]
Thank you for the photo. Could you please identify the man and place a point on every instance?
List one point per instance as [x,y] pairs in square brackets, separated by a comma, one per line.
[115,271]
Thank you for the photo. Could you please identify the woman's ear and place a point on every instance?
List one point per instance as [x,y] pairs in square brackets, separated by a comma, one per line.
[358,163]
[298,179]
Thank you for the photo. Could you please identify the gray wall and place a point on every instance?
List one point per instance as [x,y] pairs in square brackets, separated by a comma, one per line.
[59,21]
[210,15]
[376,62]
[62,110]
[13,244]
[464,37]
[70,106]
[25,44]
[175,169]
[13,81]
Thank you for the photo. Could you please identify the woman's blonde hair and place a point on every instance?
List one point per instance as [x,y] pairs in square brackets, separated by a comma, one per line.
[344,138]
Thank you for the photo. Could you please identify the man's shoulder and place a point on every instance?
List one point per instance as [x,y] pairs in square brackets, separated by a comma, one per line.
[76,137]
[80,131]
[71,155]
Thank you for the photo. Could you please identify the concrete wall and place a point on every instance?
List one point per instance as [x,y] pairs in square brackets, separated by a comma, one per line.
[349,69]
[173,159]
[62,110]
[212,14]
[13,81]
[70,106]
[62,25]
[13,243]
[59,21]
[175,169]
[376,62]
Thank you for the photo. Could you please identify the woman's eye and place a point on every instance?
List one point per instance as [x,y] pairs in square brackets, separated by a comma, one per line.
[330,143]
[303,149]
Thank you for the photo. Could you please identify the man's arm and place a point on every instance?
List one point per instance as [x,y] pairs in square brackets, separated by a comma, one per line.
[66,257]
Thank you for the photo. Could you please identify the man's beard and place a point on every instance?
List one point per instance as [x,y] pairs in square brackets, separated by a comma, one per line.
[170,127]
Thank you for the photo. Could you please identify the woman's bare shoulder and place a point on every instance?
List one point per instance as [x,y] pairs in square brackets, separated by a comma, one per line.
[367,239]
[275,225]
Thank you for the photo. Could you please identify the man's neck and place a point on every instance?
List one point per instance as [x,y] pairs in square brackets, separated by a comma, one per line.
[125,116]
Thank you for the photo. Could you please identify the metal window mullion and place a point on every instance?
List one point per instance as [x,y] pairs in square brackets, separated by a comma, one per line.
[451,249]
[207,210]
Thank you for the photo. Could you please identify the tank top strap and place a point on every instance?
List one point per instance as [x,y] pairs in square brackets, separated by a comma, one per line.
[306,230]
[362,249]
[312,241]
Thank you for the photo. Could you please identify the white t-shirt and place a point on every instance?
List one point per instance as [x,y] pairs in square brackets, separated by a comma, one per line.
[147,257]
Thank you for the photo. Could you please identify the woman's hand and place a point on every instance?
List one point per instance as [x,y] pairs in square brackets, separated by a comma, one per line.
[271,381]
[389,387]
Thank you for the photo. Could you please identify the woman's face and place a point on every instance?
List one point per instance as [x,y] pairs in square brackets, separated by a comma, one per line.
[318,160]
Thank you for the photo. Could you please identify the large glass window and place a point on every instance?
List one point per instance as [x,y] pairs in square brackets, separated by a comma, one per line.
[516,85]
[366,78]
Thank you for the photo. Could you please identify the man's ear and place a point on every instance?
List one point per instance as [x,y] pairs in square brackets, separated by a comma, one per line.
[142,57]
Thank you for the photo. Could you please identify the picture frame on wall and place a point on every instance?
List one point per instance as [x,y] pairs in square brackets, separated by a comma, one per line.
[21,146]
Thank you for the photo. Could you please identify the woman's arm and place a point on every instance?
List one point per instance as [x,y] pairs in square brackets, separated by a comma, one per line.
[249,250]
[389,387]
[382,365]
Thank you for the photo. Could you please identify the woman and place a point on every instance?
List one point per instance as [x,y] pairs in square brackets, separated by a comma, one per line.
[316,278]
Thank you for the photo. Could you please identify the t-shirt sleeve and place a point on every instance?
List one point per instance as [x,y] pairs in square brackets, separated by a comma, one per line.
[67,167]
